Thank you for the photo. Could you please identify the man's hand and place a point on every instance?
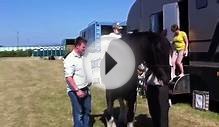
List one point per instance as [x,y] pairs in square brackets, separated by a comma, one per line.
[81,93]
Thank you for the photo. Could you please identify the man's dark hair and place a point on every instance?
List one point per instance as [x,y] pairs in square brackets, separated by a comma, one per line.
[80,40]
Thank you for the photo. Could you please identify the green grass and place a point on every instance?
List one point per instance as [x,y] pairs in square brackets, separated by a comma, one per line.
[33,94]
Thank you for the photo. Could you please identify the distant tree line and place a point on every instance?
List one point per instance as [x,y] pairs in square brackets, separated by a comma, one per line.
[17,53]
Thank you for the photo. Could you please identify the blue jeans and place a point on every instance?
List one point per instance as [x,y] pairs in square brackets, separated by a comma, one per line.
[81,108]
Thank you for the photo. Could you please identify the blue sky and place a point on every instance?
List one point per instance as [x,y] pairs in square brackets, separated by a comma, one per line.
[50,21]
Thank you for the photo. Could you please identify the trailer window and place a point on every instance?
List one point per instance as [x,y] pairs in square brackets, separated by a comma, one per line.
[83,34]
[201,4]
[156,22]
[106,29]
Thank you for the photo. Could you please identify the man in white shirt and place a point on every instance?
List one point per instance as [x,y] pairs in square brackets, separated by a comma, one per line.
[106,39]
[116,31]
[77,84]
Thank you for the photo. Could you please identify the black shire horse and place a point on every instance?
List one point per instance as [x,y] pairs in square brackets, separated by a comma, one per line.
[152,48]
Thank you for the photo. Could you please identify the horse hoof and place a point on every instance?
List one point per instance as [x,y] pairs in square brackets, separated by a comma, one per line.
[130,124]
[111,122]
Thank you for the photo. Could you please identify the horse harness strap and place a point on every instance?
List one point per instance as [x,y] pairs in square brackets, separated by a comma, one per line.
[153,80]
[148,73]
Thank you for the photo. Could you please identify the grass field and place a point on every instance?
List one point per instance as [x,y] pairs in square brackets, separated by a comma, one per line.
[33,94]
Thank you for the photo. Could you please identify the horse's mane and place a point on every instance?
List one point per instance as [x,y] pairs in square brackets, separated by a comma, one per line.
[160,50]
[154,49]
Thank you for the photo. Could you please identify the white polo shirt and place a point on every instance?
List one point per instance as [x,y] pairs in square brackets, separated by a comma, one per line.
[74,66]
[114,35]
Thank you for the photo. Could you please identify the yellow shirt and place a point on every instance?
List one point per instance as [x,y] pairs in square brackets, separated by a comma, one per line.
[179,41]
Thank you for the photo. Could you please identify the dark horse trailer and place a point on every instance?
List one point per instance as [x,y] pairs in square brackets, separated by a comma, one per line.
[200,20]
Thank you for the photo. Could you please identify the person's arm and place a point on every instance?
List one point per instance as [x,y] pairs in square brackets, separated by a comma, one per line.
[73,85]
[186,44]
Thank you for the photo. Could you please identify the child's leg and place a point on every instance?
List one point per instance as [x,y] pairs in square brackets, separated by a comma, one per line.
[179,62]
[173,61]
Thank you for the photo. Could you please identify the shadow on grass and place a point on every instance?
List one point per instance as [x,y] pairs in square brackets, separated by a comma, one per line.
[140,120]
[181,98]
[101,118]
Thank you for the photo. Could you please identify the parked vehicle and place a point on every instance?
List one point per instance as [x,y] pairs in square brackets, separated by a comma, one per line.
[68,45]
[200,20]
[96,29]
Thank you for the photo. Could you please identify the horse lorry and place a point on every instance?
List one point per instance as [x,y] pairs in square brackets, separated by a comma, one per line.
[200,20]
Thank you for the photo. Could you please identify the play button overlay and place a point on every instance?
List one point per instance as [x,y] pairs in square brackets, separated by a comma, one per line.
[110,63]
[117,64]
